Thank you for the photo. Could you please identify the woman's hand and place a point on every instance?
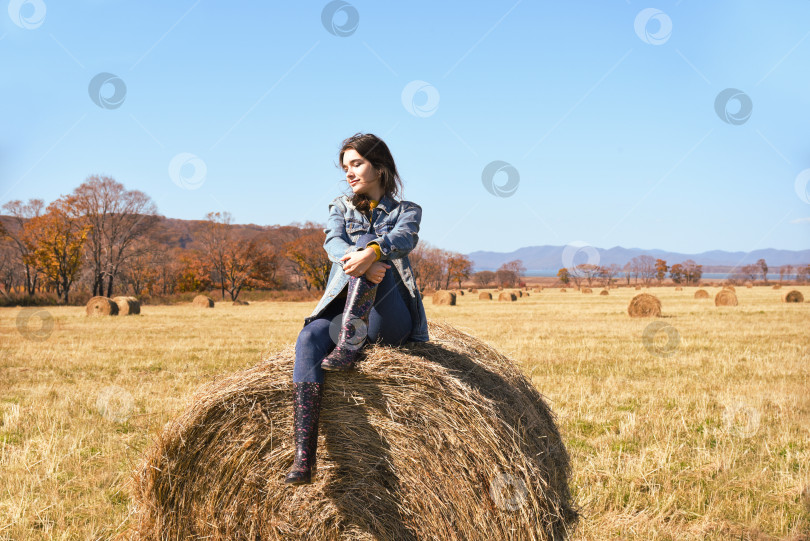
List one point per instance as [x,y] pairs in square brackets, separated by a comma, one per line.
[376,272]
[357,263]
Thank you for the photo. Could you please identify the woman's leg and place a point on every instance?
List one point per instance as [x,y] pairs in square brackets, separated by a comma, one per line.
[390,319]
[313,344]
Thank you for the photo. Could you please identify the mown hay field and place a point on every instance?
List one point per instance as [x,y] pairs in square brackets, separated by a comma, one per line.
[693,425]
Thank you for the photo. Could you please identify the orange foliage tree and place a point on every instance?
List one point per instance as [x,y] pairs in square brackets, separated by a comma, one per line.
[309,259]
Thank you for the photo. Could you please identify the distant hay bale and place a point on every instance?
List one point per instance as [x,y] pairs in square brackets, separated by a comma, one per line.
[500,288]
[470,290]
[562,290]
[484,296]
[678,288]
[793,296]
[458,292]
[729,287]
[725,297]
[507,296]
[644,305]
[444,297]
[586,290]
[701,294]
[638,287]
[537,289]
[203,301]
[749,285]
[473,290]
[237,302]
[445,439]
[127,306]
[604,292]
[777,286]
[101,306]
[518,293]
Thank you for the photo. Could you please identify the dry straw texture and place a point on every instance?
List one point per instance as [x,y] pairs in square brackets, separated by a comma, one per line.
[725,297]
[127,306]
[777,286]
[644,305]
[562,290]
[101,306]
[444,439]
[485,296]
[444,297]
[701,294]
[240,303]
[793,296]
[678,288]
[507,296]
[729,287]
[203,301]
[587,290]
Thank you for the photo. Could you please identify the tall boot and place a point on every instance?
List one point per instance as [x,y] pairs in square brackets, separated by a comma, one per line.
[354,329]
[306,410]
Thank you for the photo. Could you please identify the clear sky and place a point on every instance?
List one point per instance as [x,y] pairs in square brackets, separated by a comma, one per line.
[606,115]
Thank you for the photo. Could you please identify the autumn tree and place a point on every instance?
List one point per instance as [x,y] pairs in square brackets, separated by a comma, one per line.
[310,261]
[56,240]
[459,268]
[428,264]
[608,272]
[588,271]
[563,276]
[750,271]
[692,272]
[643,267]
[764,269]
[21,213]
[483,278]
[676,273]
[195,274]
[118,218]
[661,269]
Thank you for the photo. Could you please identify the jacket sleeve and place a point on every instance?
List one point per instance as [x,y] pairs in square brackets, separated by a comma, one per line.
[337,242]
[404,235]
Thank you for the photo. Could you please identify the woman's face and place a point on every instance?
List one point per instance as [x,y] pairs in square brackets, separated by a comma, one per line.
[360,174]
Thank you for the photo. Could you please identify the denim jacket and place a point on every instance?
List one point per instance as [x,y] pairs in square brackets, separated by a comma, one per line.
[396,224]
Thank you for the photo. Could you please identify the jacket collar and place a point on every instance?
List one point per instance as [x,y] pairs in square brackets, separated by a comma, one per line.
[387,203]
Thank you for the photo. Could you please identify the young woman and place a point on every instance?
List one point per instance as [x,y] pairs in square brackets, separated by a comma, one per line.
[371,294]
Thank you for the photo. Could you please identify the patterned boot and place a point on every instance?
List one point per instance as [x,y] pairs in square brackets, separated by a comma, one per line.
[306,410]
[353,332]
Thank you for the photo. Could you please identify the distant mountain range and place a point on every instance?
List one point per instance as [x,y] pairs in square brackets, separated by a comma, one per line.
[550,258]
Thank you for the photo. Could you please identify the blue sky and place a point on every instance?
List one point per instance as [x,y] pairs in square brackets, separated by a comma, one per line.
[605,111]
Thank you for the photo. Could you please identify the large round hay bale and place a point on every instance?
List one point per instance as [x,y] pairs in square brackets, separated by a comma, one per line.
[793,296]
[701,294]
[127,306]
[445,439]
[586,290]
[507,296]
[485,296]
[101,306]
[777,286]
[203,301]
[644,305]
[444,297]
[725,297]
[604,292]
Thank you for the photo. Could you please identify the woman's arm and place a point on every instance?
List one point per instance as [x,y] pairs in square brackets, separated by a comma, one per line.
[404,235]
[337,242]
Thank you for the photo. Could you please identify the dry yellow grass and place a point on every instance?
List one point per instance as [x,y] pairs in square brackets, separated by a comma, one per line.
[706,440]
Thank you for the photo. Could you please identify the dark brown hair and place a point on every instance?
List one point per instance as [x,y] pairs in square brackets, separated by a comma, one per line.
[375,151]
